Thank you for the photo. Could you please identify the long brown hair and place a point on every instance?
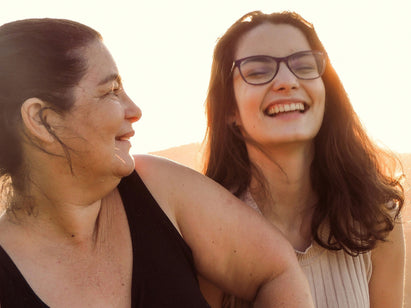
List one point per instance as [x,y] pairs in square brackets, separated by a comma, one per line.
[359,197]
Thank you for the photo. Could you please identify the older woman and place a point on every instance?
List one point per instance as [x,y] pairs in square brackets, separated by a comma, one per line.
[283,136]
[85,224]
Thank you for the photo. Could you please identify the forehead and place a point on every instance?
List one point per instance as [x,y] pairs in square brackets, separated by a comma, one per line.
[278,40]
[100,64]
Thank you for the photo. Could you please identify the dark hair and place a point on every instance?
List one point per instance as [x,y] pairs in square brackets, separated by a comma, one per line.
[357,197]
[38,58]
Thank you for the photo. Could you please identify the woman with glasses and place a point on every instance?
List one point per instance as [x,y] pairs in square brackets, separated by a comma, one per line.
[88,225]
[282,135]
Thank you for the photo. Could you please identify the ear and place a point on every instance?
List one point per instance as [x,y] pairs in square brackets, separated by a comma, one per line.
[35,115]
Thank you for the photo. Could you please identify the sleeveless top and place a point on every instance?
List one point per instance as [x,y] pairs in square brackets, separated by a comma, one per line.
[336,279]
[163,268]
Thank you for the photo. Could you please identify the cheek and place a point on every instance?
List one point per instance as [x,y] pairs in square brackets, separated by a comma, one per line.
[316,92]
[321,91]
[108,117]
[248,100]
[320,99]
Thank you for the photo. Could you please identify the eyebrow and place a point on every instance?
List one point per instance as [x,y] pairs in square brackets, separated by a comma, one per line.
[111,77]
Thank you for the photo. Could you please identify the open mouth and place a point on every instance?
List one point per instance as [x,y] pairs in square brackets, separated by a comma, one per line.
[274,110]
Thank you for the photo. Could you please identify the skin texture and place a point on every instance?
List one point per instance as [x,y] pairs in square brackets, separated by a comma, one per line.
[96,127]
[387,280]
[79,232]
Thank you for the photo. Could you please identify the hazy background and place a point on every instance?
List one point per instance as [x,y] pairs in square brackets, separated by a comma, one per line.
[164,49]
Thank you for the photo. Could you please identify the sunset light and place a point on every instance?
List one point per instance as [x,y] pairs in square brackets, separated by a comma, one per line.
[164,50]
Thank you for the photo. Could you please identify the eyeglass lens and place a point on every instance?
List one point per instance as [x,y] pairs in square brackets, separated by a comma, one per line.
[262,69]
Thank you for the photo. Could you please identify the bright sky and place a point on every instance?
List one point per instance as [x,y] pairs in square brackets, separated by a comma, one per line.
[164,48]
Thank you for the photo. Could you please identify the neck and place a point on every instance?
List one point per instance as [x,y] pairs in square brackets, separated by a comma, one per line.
[61,222]
[65,208]
[287,197]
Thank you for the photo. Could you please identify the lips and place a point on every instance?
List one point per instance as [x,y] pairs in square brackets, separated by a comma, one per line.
[126,136]
[280,108]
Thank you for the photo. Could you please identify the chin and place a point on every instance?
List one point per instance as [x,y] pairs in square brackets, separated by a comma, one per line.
[124,165]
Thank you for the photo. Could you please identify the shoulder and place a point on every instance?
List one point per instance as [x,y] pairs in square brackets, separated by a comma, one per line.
[388,263]
[158,175]
[167,175]
[148,165]
[143,161]
[174,186]
[393,246]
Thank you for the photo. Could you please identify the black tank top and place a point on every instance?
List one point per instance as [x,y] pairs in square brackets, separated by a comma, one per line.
[163,269]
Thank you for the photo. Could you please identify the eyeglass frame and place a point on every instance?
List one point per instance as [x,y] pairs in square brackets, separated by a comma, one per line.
[278,61]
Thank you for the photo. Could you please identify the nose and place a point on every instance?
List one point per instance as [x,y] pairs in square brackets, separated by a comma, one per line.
[131,111]
[285,80]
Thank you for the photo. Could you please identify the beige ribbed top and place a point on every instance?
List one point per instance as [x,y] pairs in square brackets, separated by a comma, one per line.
[336,279]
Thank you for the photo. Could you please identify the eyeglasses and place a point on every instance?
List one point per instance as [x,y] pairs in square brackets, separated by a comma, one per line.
[261,69]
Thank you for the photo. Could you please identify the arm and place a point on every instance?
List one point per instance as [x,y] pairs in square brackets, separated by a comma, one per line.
[232,245]
[387,280]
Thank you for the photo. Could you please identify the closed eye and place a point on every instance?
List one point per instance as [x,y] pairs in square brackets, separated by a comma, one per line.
[115,90]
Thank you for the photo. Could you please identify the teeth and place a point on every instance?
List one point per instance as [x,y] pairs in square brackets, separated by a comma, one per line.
[278,108]
[299,106]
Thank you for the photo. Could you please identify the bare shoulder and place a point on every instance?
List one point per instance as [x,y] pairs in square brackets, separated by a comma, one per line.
[388,261]
[150,165]
[393,247]
[142,159]
[146,161]
[167,175]
[167,181]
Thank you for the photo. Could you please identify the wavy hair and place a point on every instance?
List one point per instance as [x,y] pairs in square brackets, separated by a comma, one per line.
[359,194]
